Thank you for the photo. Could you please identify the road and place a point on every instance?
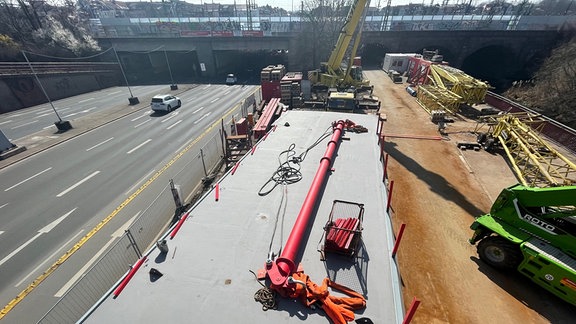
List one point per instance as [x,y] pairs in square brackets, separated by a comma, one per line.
[50,199]
[438,190]
[21,123]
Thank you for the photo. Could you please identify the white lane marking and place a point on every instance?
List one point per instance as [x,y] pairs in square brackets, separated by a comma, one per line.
[139,146]
[215,99]
[142,123]
[115,92]
[176,123]
[30,178]
[80,112]
[172,115]
[83,101]
[46,114]
[77,184]
[81,272]
[41,265]
[143,115]
[1,232]
[146,177]
[44,230]
[6,204]
[64,109]
[48,127]
[6,122]
[196,122]
[26,124]
[197,110]
[104,142]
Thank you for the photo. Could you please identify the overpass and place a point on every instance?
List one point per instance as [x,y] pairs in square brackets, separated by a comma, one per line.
[501,53]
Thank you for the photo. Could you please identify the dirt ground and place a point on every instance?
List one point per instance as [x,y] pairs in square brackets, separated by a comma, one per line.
[438,190]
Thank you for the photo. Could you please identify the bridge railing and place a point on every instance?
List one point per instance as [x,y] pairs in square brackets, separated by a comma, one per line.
[284,26]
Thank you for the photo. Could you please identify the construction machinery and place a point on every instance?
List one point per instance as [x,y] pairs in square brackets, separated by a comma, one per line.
[332,74]
[448,88]
[533,159]
[531,226]
[533,231]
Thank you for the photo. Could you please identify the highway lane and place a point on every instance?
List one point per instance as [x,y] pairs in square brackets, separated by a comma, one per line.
[23,122]
[49,199]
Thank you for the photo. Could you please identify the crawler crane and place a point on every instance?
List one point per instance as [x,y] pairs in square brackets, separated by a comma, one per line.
[331,74]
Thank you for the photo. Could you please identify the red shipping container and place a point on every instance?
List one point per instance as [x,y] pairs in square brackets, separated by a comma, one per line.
[271,89]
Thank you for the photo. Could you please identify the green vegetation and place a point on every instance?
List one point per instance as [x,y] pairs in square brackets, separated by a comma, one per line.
[42,28]
[552,90]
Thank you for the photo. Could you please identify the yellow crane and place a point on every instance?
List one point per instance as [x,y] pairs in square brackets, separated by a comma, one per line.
[448,88]
[331,73]
[534,161]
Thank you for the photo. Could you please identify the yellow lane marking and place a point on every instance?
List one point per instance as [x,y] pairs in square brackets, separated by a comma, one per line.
[100,225]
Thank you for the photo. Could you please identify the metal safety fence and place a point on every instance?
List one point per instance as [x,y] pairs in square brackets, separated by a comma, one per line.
[183,176]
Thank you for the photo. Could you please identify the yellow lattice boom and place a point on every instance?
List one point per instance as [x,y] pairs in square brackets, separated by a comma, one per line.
[534,161]
[434,98]
[470,90]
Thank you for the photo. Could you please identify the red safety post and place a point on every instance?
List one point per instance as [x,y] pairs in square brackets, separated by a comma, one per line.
[217,192]
[382,141]
[253,150]
[411,311]
[274,128]
[385,167]
[235,167]
[389,196]
[284,266]
[265,136]
[129,276]
[177,228]
[398,239]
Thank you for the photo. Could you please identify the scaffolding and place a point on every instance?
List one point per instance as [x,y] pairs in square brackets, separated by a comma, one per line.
[534,161]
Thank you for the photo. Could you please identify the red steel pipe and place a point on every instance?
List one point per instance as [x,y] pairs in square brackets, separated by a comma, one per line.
[389,196]
[129,276]
[217,192]
[398,239]
[177,228]
[234,168]
[411,311]
[285,265]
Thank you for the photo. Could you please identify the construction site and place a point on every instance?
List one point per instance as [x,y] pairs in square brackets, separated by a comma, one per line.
[486,187]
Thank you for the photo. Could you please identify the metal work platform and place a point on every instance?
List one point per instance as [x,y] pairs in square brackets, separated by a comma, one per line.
[208,274]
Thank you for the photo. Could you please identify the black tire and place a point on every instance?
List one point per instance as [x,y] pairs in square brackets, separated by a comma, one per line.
[169,108]
[179,103]
[499,253]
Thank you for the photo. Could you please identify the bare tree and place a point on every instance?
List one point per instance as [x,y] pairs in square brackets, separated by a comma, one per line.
[323,21]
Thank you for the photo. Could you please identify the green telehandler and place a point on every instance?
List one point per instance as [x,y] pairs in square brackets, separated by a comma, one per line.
[533,231]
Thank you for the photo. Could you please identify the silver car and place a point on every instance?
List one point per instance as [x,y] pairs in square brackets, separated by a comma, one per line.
[165,103]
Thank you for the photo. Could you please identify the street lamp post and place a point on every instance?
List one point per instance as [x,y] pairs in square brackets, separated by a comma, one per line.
[62,125]
[133,100]
[173,86]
